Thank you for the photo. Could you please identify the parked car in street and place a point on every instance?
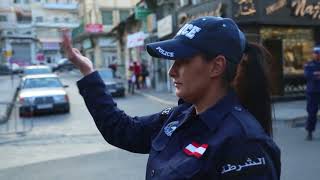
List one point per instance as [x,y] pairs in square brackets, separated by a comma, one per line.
[114,85]
[4,69]
[42,93]
[63,65]
[36,69]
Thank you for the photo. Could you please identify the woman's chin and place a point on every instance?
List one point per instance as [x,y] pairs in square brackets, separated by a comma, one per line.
[179,94]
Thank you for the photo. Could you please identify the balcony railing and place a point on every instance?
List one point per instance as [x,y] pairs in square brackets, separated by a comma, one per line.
[57,24]
[69,6]
[77,31]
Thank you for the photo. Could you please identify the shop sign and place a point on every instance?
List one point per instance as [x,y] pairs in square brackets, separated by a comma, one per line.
[208,10]
[40,57]
[276,6]
[50,46]
[94,28]
[141,12]
[105,42]
[164,26]
[87,44]
[7,53]
[246,8]
[136,39]
[301,8]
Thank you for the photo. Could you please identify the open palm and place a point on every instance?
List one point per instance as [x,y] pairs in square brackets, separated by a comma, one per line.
[83,63]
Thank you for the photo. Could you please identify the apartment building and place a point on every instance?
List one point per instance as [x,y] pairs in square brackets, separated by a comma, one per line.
[48,17]
[94,36]
[17,36]
[30,29]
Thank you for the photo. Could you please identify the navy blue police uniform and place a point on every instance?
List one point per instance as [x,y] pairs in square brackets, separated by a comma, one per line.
[224,142]
[312,93]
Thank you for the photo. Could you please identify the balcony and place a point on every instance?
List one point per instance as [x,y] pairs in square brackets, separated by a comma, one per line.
[18,33]
[60,6]
[57,24]
[78,31]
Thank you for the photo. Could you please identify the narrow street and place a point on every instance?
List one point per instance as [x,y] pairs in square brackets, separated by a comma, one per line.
[69,146]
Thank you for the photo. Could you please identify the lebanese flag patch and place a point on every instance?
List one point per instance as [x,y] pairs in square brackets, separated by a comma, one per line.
[195,149]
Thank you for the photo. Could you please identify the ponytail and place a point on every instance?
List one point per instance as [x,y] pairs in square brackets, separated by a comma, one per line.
[252,84]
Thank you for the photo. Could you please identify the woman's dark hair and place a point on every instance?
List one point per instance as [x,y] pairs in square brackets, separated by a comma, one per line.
[251,82]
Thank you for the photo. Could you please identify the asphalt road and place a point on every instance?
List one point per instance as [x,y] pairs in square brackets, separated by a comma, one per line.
[68,146]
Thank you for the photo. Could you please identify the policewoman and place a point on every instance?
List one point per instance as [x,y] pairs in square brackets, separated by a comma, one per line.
[221,127]
[312,74]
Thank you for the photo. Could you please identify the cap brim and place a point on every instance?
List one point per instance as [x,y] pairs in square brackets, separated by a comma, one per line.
[171,49]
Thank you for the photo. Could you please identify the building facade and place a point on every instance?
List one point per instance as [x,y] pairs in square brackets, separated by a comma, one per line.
[94,36]
[48,18]
[30,29]
[17,36]
[287,28]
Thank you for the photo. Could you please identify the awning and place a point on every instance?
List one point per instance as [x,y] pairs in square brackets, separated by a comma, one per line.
[50,46]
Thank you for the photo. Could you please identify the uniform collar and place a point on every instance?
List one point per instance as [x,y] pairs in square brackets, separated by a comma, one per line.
[212,116]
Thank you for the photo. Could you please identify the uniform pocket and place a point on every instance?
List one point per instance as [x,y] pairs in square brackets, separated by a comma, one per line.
[185,166]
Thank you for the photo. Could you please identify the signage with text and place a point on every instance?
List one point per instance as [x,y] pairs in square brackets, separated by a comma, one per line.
[164,26]
[94,28]
[282,12]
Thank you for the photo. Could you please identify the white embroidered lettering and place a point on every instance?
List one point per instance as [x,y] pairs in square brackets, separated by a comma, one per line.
[193,31]
[186,29]
[165,53]
[189,31]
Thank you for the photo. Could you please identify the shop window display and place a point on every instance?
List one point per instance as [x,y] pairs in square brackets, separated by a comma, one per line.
[297,44]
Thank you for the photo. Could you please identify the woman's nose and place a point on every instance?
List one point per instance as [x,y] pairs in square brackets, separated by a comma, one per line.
[172,71]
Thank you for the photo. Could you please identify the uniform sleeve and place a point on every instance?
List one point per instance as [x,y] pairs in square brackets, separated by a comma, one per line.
[308,72]
[130,133]
[247,161]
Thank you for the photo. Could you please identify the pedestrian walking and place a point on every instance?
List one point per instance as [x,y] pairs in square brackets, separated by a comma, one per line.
[137,73]
[131,79]
[312,75]
[221,127]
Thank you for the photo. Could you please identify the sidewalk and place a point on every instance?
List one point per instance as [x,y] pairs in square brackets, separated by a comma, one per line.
[7,91]
[292,113]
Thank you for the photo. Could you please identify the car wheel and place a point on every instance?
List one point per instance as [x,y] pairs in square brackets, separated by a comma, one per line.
[66,110]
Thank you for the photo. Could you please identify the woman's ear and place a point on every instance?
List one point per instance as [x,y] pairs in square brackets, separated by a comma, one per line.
[218,66]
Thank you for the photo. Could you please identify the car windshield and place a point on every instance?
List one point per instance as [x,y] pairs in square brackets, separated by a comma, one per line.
[37,71]
[42,83]
[105,74]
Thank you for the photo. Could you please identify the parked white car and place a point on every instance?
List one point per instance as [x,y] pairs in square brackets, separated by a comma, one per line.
[42,93]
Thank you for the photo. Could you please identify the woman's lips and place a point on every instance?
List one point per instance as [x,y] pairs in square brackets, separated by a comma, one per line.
[177,84]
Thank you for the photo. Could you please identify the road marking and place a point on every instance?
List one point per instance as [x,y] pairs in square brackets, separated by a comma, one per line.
[149,96]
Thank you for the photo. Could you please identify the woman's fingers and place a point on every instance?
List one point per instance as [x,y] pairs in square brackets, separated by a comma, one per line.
[75,50]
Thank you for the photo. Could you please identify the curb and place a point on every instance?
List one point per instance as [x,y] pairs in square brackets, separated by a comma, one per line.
[4,118]
[149,96]
[293,123]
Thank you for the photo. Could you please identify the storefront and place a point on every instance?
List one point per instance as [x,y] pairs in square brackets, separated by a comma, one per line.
[288,29]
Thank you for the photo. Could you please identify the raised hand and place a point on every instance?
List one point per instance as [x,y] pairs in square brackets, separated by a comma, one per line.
[83,63]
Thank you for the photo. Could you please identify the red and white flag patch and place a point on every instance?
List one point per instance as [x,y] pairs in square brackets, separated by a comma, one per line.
[195,149]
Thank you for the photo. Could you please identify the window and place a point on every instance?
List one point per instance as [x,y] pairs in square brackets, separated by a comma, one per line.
[56,19]
[124,14]
[24,19]
[296,44]
[66,19]
[196,1]
[184,2]
[39,19]
[107,18]
[3,18]
[17,1]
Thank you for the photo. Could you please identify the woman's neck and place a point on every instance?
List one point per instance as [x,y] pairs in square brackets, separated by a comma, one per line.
[210,98]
